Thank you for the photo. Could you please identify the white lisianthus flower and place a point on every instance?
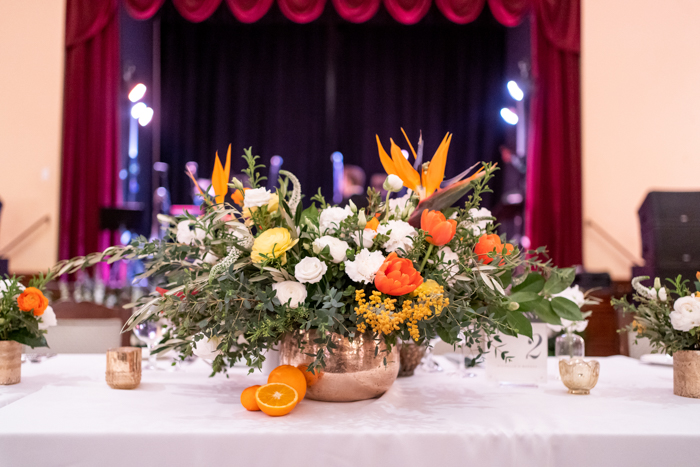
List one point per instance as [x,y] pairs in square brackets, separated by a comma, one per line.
[393,183]
[367,238]
[206,348]
[573,294]
[338,247]
[48,319]
[330,218]
[256,197]
[310,270]
[365,266]
[450,263]
[210,258]
[477,227]
[290,292]
[400,235]
[399,203]
[686,314]
[571,326]
[188,236]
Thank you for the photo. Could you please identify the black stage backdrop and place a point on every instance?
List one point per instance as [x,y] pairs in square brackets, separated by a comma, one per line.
[305,91]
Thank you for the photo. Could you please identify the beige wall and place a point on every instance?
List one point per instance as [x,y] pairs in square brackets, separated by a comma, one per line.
[641,115]
[31,90]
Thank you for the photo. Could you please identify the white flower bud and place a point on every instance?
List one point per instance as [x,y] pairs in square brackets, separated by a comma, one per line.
[237,184]
[393,183]
[362,220]
[657,283]
[353,208]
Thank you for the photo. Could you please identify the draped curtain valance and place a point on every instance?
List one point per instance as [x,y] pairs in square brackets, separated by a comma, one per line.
[508,12]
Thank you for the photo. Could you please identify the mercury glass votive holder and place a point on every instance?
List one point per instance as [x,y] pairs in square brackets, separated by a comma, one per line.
[579,375]
[123,367]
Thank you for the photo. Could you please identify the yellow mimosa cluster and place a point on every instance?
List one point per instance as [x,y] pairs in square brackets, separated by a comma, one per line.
[383,317]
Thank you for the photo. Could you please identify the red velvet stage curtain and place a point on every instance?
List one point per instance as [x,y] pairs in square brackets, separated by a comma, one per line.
[509,12]
[90,124]
[249,11]
[407,11]
[142,9]
[553,200]
[301,11]
[196,11]
[356,11]
[460,11]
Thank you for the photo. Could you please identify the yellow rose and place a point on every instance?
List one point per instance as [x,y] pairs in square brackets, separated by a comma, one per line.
[429,287]
[272,206]
[272,243]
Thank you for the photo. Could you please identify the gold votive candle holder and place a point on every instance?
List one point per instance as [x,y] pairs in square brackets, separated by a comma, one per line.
[579,375]
[124,367]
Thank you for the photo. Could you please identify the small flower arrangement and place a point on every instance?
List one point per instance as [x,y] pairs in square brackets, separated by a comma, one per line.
[669,316]
[25,314]
[258,265]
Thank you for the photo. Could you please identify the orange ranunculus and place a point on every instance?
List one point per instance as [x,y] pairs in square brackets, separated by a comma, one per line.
[33,299]
[373,223]
[439,230]
[397,276]
[487,244]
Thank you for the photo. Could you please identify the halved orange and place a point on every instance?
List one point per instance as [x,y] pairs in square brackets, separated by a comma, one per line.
[276,399]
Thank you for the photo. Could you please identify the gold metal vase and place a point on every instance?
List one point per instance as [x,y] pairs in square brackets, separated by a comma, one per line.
[10,362]
[686,373]
[354,371]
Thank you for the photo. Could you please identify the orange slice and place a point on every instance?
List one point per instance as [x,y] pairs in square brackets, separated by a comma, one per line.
[276,399]
[248,398]
[290,375]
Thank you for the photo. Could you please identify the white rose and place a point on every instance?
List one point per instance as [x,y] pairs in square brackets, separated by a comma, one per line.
[48,319]
[477,227]
[399,203]
[686,314]
[290,292]
[367,238]
[188,236]
[365,266]
[256,197]
[206,348]
[330,218]
[337,247]
[310,270]
[401,235]
[393,183]
[573,294]
[450,263]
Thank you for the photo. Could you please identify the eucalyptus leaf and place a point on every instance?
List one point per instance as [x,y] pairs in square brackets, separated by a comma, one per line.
[534,282]
[566,309]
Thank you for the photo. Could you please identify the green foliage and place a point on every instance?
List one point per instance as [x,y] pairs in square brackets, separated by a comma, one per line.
[252,171]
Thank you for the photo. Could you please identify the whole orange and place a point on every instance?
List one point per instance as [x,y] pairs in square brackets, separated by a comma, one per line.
[290,375]
[248,398]
[311,378]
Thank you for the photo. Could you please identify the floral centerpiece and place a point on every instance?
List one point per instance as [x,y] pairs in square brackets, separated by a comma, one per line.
[669,316]
[25,315]
[260,268]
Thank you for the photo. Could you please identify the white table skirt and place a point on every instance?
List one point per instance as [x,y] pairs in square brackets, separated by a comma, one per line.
[64,414]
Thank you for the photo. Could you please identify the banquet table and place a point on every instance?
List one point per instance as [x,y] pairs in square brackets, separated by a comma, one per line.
[64,414]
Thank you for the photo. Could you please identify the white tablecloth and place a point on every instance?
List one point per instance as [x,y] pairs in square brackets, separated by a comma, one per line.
[64,414]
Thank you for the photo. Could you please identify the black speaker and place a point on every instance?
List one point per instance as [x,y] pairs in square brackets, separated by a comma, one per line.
[670,225]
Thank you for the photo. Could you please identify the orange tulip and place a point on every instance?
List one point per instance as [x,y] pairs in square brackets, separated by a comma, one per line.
[440,230]
[33,300]
[487,244]
[397,276]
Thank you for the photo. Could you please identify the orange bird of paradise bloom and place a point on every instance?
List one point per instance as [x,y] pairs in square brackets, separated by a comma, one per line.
[423,178]
[219,178]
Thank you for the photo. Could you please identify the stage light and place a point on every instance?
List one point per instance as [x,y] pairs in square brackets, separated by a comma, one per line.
[515,91]
[276,160]
[137,92]
[509,116]
[146,116]
[137,110]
